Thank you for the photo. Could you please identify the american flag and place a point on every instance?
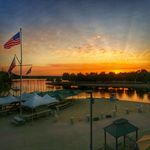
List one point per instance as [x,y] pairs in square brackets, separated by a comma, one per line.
[15,40]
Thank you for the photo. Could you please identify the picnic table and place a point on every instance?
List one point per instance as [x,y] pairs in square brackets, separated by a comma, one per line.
[37,115]
[20,120]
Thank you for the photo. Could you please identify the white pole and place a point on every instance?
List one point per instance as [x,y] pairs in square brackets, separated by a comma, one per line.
[20,70]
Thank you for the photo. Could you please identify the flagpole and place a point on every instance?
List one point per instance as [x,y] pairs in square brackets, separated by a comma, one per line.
[20,70]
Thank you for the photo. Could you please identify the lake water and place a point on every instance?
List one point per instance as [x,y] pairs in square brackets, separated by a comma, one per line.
[32,85]
[36,85]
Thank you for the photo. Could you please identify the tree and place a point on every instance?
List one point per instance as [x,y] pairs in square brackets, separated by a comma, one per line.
[72,77]
[65,76]
[5,83]
[80,77]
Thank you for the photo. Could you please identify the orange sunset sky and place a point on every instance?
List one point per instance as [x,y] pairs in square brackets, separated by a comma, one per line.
[77,36]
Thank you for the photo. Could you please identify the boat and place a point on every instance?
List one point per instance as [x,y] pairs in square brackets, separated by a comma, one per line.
[113,97]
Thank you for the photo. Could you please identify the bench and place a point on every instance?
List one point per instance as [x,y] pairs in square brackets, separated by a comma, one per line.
[37,115]
[18,120]
[64,105]
[43,113]
[6,109]
[5,112]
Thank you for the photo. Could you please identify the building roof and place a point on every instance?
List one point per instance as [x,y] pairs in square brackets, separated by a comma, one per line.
[120,128]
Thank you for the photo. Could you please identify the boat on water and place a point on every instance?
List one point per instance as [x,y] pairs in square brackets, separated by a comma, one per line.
[113,97]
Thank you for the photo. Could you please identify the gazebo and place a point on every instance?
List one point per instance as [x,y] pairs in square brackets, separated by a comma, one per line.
[119,128]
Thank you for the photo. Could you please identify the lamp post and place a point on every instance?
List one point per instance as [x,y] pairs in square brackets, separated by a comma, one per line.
[91,118]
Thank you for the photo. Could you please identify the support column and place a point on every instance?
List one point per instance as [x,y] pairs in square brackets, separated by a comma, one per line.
[124,141]
[105,138]
[136,137]
[116,143]
[91,122]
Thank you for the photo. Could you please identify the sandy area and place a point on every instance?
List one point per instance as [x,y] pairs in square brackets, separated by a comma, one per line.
[52,133]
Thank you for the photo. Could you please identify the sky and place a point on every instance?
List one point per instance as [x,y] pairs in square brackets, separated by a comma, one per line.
[77,35]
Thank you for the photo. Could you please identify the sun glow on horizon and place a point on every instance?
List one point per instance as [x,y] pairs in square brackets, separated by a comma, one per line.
[59,69]
[104,37]
[116,71]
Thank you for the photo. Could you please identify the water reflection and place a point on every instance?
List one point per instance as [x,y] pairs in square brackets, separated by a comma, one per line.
[130,93]
[140,94]
[32,85]
[120,94]
[41,85]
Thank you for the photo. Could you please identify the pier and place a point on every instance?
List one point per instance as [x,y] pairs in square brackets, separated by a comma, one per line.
[145,86]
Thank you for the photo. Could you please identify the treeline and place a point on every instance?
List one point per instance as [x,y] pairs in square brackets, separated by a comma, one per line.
[137,76]
[5,83]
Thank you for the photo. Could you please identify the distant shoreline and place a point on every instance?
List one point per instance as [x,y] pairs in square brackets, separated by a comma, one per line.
[105,85]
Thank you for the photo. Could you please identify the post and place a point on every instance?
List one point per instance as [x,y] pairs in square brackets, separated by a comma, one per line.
[32,116]
[20,70]
[105,138]
[136,134]
[124,141]
[136,137]
[116,143]
[91,121]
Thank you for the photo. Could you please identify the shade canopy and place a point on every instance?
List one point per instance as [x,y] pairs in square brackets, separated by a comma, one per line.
[58,96]
[144,142]
[49,99]
[120,128]
[36,101]
[8,100]
[27,96]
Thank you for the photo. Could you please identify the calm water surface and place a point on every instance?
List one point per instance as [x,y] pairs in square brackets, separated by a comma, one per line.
[32,85]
